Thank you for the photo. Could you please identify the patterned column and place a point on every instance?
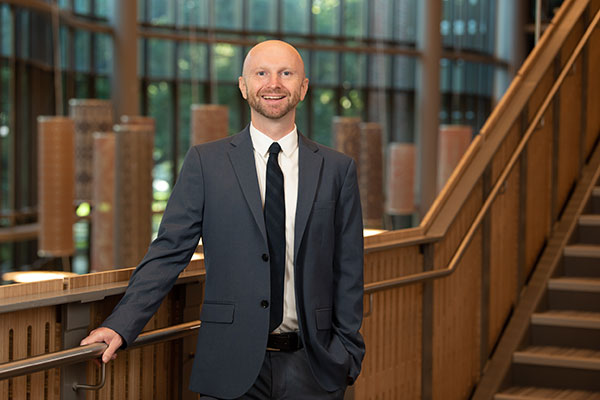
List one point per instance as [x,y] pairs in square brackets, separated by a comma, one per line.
[401,179]
[346,137]
[56,186]
[133,195]
[208,122]
[90,115]
[103,199]
[371,174]
[454,140]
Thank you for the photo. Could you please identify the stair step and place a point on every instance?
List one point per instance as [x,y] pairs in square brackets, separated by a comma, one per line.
[566,328]
[567,318]
[537,393]
[582,260]
[595,201]
[551,356]
[582,250]
[588,229]
[575,284]
[557,367]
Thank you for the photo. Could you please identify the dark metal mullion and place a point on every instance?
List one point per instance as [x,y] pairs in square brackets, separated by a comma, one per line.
[175,99]
[91,73]
[309,99]
[339,90]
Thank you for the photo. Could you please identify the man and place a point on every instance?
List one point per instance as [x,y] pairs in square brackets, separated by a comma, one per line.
[281,224]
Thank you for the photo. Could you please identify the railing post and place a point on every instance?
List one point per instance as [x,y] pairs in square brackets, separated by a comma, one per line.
[76,322]
[427,327]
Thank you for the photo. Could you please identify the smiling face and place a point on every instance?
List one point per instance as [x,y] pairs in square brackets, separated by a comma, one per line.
[273,82]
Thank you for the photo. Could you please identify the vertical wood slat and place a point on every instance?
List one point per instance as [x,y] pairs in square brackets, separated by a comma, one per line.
[29,338]
[569,121]
[539,165]
[593,95]
[457,314]
[504,240]
[392,364]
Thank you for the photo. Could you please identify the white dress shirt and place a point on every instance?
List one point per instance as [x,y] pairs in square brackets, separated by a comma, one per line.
[288,162]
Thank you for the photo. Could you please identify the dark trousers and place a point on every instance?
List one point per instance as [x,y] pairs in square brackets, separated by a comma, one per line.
[286,376]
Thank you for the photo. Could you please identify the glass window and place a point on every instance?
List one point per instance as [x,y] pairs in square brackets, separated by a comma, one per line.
[383,17]
[356,13]
[354,66]
[188,95]
[405,27]
[380,70]
[160,106]
[192,13]
[296,16]
[102,88]
[191,61]
[82,51]
[82,6]
[101,8]
[82,86]
[325,68]
[262,15]
[405,72]
[228,14]
[161,12]
[6,29]
[228,61]
[103,56]
[230,96]
[353,103]
[22,32]
[5,134]
[323,110]
[326,15]
[64,47]
[161,56]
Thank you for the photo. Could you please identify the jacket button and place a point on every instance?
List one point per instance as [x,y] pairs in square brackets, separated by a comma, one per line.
[265,257]
[264,304]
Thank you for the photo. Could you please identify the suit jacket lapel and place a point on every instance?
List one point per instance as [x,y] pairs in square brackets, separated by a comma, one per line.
[309,170]
[241,155]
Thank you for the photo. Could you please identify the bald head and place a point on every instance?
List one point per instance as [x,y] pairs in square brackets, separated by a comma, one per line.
[271,50]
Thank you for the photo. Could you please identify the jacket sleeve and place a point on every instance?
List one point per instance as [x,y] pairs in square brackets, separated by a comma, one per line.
[348,271]
[178,236]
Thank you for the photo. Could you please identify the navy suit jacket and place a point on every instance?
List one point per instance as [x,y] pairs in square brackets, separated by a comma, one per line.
[217,197]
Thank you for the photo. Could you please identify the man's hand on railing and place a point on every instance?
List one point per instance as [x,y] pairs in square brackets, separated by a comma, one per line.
[108,336]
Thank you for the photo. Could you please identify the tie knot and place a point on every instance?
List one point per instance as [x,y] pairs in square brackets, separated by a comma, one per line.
[275,148]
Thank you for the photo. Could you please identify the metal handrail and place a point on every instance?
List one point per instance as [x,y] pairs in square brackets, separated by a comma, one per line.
[371,288]
[79,354]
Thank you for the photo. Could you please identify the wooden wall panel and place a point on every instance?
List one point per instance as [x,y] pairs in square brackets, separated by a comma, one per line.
[457,313]
[569,132]
[25,334]
[504,240]
[593,92]
[392,365]
[539,166]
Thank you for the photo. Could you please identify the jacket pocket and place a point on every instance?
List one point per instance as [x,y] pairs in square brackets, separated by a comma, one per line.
[221,313]
[323,318]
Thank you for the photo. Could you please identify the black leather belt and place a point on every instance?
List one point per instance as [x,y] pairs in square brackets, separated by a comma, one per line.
[287,341]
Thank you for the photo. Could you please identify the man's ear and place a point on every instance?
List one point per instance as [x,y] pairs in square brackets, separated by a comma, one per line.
[303,89]
[242,86]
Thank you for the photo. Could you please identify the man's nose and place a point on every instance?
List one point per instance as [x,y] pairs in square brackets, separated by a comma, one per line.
[274,80]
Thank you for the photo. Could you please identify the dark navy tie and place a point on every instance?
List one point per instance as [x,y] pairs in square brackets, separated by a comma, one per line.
[275,223]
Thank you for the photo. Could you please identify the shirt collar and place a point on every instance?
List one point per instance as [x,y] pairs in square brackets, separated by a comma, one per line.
[261,142]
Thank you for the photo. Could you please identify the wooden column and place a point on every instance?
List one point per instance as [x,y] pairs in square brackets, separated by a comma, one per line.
[208,122]
[401,179]
[454,140]
[346,137]
[133,196]
[90,115]
[371,174]
[56,189]
[103,198]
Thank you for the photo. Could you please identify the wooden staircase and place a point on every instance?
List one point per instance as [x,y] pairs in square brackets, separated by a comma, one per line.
[561,356]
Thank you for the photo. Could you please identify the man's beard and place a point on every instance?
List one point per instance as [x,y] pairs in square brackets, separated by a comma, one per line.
[273,113]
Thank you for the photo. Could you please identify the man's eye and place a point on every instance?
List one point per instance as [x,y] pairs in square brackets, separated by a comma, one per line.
[261,73]
[286,73]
